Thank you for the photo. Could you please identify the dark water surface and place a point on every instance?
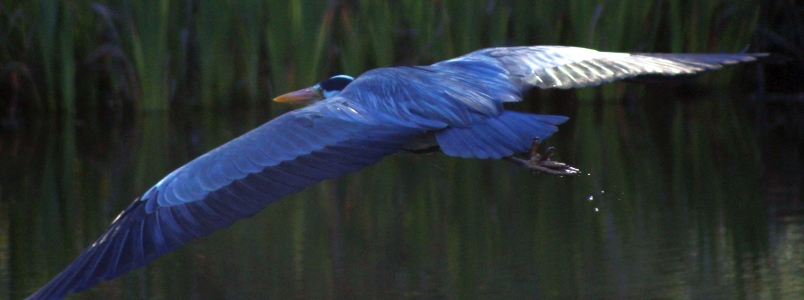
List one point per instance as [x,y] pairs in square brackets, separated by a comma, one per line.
[677,203]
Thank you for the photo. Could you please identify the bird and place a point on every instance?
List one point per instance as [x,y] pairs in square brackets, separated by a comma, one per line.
[346,123]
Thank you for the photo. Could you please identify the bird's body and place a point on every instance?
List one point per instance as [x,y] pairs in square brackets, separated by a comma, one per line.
[456,104]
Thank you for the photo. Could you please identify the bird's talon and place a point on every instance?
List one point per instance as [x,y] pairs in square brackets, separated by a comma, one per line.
[553,164]
[548,153]
[534,148]
[543,164]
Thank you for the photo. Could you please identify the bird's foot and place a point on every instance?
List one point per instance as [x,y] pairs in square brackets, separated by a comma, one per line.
[542,163]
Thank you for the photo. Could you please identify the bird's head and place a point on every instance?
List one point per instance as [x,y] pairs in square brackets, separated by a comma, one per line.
[323,90]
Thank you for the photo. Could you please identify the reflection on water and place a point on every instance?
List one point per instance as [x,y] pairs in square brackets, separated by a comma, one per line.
[674,206]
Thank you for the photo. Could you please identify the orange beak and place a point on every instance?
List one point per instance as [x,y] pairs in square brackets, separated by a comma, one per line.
[303,96]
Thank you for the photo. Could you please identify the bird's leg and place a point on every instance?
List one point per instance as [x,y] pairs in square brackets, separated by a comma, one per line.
[429,150]
[542,163]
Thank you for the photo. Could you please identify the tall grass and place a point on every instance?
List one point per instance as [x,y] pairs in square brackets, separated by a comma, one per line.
[218,51]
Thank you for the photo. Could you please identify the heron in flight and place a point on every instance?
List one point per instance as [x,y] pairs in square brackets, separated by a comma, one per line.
[455,106]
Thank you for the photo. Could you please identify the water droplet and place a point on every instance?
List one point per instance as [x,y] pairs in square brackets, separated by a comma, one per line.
[596,209]
[591,198]
[602,191]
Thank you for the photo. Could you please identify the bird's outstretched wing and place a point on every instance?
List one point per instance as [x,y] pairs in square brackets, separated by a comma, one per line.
[465,90]
[572,67]
[234,181]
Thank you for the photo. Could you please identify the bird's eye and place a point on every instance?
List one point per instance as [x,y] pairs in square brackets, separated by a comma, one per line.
[334,85]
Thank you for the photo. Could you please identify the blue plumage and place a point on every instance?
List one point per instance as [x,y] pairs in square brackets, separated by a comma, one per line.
[459,101]
[497,137]
[221,187]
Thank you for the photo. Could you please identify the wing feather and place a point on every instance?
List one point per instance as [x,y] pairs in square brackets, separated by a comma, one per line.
[574,67]
[234,181]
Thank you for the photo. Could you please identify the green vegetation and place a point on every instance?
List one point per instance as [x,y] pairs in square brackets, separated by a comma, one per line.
[71,55]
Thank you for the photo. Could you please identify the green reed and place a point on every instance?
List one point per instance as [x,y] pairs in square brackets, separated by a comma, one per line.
[48,17]
[148,33]
[219,53]
[216,26]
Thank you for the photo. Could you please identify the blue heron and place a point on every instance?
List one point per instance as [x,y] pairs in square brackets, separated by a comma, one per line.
[455,106]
